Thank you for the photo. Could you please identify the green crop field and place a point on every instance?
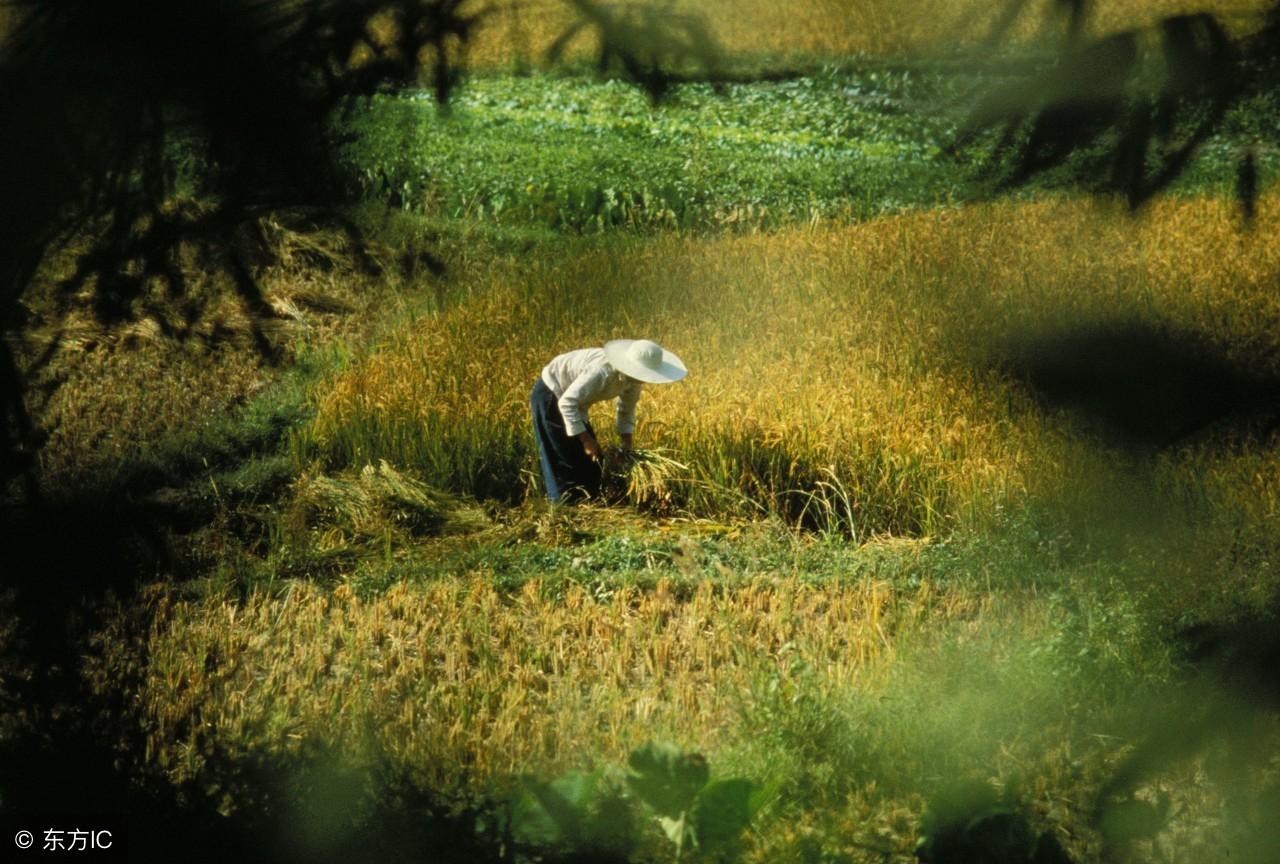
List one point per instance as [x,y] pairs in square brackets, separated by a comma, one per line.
[881,586]
[577,154]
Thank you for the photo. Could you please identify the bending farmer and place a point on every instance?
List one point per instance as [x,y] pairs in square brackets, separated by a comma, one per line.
[573,382]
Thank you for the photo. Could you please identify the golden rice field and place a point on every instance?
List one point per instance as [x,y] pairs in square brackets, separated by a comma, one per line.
[469,687]
[772,674]
[833,27]
[473,686]
[841,376]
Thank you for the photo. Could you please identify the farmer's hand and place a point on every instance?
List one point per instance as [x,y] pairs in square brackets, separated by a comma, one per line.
[591,445]
[626,440]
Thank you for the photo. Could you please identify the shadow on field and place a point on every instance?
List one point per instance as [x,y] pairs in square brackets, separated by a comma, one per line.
[1143,386]
[74,749]
[286,809]
[70,750]
[1145,389]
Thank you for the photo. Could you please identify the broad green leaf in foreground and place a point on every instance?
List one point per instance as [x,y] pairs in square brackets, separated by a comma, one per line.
[666,778]
[722,812]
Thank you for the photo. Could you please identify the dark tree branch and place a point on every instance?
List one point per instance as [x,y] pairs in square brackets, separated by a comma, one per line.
[1101,96]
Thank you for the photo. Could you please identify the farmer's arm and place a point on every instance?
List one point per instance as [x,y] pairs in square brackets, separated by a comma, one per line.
[627,413]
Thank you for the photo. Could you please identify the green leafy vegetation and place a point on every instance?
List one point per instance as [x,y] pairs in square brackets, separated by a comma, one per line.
[591,816]
[579,154]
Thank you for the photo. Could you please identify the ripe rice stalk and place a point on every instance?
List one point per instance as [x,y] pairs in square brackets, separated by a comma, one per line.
[453,675]
[364,504]
[832,506]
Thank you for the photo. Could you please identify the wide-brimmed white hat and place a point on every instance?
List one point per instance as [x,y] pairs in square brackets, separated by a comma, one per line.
[644,360]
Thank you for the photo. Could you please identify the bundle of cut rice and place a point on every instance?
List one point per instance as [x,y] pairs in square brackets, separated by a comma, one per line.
[379,497]
[645,478]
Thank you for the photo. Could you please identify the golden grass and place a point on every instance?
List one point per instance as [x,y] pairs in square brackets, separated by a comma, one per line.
[471,687]
[841,369]
[98,419]
[466,687]
[833,28]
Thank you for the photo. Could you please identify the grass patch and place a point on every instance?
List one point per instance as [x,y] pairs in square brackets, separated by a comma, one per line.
[582,155]
[576,154]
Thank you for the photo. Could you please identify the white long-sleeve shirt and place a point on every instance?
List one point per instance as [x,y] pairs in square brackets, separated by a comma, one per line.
[584,377]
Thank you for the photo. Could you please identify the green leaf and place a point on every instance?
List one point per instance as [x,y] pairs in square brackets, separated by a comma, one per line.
[722,812]
[531,822]
[552,813]
[666,778]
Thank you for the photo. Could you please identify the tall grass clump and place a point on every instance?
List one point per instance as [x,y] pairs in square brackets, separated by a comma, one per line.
[845,378]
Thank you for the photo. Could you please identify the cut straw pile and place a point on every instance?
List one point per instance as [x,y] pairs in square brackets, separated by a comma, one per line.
[364,504]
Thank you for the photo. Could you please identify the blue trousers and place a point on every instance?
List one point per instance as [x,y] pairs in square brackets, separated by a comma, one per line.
[568,472]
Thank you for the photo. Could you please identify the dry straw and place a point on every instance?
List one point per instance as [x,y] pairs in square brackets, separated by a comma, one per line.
[367,502]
